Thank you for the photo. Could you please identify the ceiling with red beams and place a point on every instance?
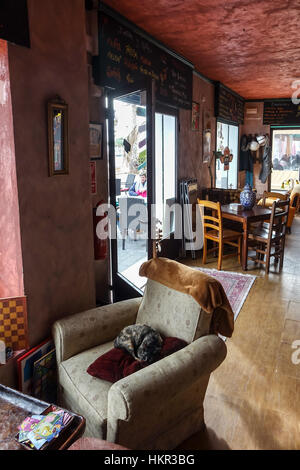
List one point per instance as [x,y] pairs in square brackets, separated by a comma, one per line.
[253,47]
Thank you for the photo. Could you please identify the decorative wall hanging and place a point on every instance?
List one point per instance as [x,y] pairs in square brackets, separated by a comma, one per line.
[195,116]
[226,158]
[93,178]
[58,137]
[207,145]
[96,141]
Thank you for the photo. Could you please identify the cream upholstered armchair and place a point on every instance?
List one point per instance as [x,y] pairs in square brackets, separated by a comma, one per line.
[159,406]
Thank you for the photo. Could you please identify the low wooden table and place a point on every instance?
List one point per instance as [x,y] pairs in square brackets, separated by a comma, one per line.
[16,406]
[246,217]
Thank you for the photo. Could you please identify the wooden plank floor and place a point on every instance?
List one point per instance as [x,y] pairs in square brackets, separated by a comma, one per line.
[253,398]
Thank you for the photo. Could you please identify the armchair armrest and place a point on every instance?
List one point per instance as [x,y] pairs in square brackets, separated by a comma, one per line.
[155,388]
[88,329]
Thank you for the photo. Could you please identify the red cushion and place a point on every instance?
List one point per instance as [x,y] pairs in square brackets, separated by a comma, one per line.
[116,363]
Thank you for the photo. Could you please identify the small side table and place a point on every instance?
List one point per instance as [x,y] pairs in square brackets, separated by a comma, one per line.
[16,406]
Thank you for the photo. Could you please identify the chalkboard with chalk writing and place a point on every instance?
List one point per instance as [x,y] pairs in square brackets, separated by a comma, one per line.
[281,112]
[14,22]
[228,105]
[126,58]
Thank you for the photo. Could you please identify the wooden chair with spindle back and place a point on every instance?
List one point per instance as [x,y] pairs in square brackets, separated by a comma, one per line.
[214,231]
[263,238]
[269,197]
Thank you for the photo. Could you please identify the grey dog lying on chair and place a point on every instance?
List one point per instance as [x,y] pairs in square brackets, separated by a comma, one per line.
[141,341]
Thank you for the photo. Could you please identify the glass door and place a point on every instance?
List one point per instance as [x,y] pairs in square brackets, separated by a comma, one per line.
[131,166]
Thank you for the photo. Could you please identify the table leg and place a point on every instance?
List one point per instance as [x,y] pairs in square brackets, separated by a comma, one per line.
[245,245]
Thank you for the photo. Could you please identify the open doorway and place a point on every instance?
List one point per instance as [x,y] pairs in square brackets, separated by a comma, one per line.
[131,186]
[285,158]
[143,183]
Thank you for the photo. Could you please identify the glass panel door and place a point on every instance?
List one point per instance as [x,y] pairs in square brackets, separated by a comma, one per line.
[130,125]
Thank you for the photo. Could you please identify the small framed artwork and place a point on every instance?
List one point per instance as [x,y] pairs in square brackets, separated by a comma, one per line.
[45,378]
[26,365]
[195,116]
[96,141]
[58,137]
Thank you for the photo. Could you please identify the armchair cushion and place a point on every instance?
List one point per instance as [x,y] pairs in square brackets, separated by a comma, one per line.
[77,333]
[117,364]
[206,291]
[83,393]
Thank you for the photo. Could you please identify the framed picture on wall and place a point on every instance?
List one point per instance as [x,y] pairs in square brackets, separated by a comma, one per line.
[195,116]
[96,141]
[58,137]
[26,365]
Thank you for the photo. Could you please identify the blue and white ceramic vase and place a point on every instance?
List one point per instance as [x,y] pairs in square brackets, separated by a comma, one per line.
[247,197]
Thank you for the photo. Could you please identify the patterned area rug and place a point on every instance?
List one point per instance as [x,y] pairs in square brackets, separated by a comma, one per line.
[237,286]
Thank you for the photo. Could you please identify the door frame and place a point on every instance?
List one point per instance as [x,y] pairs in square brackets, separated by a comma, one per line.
[122,288]
[170,248]
[230,123]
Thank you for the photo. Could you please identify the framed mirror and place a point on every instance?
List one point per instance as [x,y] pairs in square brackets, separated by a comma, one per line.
[58,137]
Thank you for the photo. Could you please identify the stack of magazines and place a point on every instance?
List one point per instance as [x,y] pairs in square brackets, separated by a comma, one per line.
[37,431]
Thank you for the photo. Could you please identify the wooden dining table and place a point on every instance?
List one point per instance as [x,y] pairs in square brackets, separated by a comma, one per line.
[246,217]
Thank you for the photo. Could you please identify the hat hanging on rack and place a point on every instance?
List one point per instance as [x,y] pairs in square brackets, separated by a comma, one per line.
[261,139]
[254,145]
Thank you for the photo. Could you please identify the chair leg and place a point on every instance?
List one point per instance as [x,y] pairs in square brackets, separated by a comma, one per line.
[261,255]
[277,257]
[240,251]
[282,244]
[220,257]
[268,259]
[204,250]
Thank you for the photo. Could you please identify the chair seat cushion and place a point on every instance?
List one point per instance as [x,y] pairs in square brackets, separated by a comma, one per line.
[85,394]
[117,364]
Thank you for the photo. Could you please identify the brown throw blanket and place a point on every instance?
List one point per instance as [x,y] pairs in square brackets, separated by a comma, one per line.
[206,290]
